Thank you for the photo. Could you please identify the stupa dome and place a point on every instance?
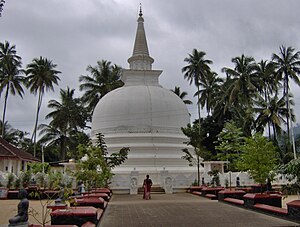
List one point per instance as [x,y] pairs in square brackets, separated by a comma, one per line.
[140,109]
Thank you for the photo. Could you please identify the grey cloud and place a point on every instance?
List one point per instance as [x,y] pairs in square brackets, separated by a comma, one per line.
[74,34]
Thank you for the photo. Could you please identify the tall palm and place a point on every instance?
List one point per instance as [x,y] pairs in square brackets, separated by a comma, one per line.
[182,95]
[265,71]
[1,6]
[242,86]
[10,70]
[272,112]
[55,137]
[221,111]
[243,82]
[41,77]
[287,64]
[197,69]
[68,117]
[269,84]
[104,77]
[210,87]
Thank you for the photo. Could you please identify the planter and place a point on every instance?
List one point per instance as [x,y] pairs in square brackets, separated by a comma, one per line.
[96,202]
[74,216]
[213,191]
[257,188]
[251,199]
[294,209]
[235,194]
[195,189]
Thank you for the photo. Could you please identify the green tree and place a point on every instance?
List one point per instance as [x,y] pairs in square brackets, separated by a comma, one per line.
[292,170]
[95,171]
[230,140]
[258,157]
[10,79]
[182,95]
[200,153]
[103,78]
[41,77]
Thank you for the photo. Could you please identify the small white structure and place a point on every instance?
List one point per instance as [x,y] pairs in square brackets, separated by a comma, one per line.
[12,159]
[147,118]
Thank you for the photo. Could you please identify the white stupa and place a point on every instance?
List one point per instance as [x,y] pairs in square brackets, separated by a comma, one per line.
[147,118]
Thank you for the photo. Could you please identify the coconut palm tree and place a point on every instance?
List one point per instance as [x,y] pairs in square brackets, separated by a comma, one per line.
[196,70]
[1,6]
[269,84]
[265,71]
[68,118]
[210,87]
[243,82]
[10,70]
[242,86]
[273,112]
[104,77]
[69,113]
[41,77]
[182,95]
[287,64]
[55,137]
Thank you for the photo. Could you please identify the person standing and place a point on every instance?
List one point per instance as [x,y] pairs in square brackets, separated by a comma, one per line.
[147,187]
[269,185]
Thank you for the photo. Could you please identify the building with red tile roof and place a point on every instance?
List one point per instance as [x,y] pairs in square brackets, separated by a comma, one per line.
[13,159]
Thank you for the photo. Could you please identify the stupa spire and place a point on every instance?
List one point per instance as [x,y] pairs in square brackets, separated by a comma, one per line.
[140,59]
[141,13]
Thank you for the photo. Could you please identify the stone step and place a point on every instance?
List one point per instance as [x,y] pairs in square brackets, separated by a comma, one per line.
[154,190]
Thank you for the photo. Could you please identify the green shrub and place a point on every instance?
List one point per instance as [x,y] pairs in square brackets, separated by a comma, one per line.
[10,180]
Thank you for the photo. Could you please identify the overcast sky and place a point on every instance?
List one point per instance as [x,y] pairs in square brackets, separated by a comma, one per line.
[75,34]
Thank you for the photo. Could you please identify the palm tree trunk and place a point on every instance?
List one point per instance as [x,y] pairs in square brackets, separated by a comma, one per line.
[4,111]
[291,130]
[267,101]
[198,169]
[199,131]
[36,121]
[274,132]
[286,93]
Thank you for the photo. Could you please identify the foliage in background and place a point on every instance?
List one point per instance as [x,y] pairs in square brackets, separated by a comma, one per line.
[195,158]
[37,167]
[10,180]
[230,141]
[258,158]
[292,171]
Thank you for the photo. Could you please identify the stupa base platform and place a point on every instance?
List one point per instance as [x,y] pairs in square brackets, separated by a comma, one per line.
[176,180]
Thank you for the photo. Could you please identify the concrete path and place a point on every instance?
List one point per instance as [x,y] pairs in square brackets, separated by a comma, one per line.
[182,210]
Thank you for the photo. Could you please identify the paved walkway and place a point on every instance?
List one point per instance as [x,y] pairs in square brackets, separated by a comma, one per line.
[182,210]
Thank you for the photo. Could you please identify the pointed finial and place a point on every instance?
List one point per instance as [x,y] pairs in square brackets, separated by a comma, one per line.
[141,13]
